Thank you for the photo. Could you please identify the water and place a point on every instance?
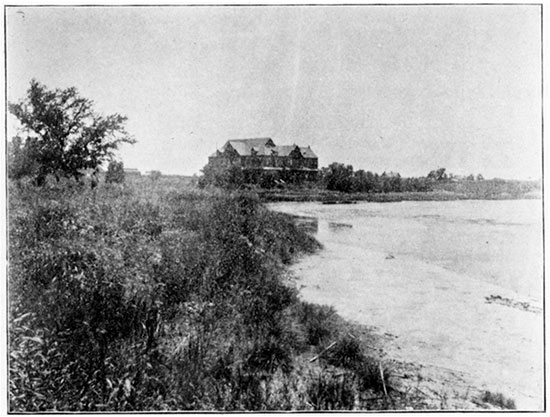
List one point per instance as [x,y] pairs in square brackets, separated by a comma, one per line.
[499,242]
[429,273]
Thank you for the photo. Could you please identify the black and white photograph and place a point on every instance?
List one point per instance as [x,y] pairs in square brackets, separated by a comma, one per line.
[274,208]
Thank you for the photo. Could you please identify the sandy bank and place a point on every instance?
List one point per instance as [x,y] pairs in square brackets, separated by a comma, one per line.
[434,317]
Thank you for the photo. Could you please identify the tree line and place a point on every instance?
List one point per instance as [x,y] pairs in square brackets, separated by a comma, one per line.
[63,136]
[341,177]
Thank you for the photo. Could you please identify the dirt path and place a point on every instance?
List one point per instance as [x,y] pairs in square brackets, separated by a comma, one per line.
[460,332]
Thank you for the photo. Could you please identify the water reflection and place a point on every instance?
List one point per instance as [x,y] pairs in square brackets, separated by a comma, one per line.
[308,224]
[338,227]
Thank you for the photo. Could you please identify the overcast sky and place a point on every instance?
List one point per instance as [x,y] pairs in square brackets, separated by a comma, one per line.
[384,88]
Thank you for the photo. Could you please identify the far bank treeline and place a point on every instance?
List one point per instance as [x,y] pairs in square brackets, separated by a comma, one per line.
[335,177]
[341,178]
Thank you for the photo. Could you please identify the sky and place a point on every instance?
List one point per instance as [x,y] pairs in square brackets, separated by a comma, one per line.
[406,89]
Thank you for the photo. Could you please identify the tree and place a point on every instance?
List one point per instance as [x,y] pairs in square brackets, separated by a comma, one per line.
[68,136]
[230,177]
[115,172]
[360,182]
[396,183]
[438,175]
[22,158]
[155,175]
[338,177]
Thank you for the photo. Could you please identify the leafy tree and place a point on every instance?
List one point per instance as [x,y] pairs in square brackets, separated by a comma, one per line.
[438,175]
[230,177]
[479,177]
[115,172]
[338,177]
[155,175]
[390,182]
[22,158]
[396,183]
[67,135]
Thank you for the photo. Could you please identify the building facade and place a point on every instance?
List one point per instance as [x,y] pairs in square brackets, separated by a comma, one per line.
[260,155]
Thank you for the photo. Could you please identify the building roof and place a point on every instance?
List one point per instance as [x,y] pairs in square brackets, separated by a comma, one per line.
[285,150]
[132,171]
[244,147]
[263,147]
[307,152]
[254,142]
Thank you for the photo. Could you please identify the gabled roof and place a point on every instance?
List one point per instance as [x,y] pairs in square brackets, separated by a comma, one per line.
[215,154]
[307,152]
[285,150]
[244,147]
[254,142]
[263,147]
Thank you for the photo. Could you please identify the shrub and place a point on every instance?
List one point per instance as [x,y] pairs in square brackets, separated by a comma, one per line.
[329,391]
[318,322]
[115,172]
[129,298]
[269,355]
[347,353]
[498,400]
[371,375]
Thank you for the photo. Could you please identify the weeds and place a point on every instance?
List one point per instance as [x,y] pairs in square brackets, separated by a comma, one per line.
[318,322]
[329,391]
[145,297]
[498,400]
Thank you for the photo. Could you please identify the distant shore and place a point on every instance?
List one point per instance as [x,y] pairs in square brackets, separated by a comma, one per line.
[336,197]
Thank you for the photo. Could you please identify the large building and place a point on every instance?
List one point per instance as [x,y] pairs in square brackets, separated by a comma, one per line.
[258,155]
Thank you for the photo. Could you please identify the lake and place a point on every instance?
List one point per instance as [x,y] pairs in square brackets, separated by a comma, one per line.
[459,283]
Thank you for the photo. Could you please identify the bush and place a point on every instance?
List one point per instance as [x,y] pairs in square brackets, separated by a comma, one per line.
[112,294]
[318,322]
[115,172]
[328,391]
[347,353]
[498,400]
[126,298]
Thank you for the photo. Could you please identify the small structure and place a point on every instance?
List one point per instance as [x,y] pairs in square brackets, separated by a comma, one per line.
[261,155]
[131,172]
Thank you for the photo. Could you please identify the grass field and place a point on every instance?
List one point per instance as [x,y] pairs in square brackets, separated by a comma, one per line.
[156,296]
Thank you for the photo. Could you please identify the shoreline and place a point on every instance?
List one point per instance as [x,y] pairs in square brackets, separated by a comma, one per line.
[335,197]
[417,328]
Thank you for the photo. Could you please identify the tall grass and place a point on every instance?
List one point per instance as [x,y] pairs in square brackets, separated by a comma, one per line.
[150,297]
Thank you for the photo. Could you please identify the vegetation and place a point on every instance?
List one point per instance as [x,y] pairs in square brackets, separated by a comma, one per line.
[149,297]
[155,175]
[339,182]
[498,400]
[63,135]
[115,172]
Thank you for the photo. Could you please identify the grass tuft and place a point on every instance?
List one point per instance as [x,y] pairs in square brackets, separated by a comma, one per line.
[498,400]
